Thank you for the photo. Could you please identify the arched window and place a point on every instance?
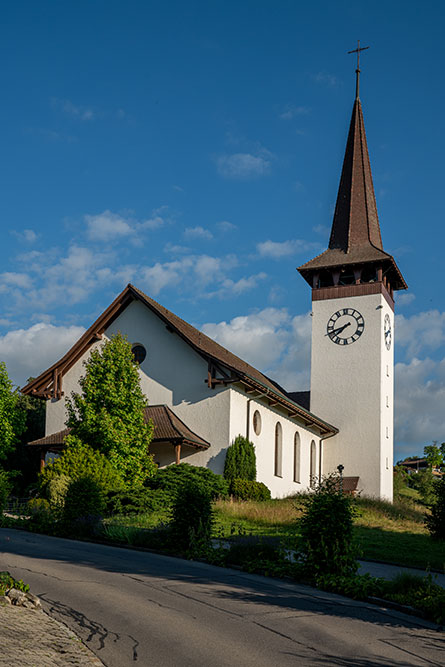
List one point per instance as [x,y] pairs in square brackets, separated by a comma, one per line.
[278,450]
[257,422]
[297,457]
[313,471]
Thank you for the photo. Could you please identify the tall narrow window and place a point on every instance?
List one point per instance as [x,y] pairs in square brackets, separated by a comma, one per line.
[278,450]
[297,457]
[313,477]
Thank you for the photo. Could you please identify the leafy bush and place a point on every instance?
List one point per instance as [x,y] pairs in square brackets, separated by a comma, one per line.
[7,582]
[174,476]
[5,489]
[245,489]
[78,461]
[240,460]
[139,501]
[84,506]
[327,546]
[192,518]
[56,491]
[400,480]
[418,592]
[436,521]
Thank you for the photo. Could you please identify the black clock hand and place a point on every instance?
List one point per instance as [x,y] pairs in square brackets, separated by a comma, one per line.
[339,330]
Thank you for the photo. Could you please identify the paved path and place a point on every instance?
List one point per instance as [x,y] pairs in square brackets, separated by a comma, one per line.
[134,607]
[388,571]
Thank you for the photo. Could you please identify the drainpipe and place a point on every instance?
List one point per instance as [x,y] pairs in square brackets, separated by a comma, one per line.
[320,468]
[248,419]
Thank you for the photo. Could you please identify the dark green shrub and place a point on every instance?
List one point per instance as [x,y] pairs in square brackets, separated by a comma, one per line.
[174,476]
[245,489]
[192,518]
[84,506]
[327,545]
[253,551]
[436,521]
[5,488]
[139,501]
[240,460]
[400,478]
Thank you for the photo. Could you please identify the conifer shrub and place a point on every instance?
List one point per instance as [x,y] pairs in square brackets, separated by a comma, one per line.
[192,518]
[240,460]
[174,476]
[436,520]
[326,525]
[139,501]
[245,489]
[84,506]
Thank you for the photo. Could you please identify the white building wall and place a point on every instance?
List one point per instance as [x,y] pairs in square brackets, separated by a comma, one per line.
[242,409]
[349,386]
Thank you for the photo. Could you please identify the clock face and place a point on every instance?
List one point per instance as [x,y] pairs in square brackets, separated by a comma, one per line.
[345,326]
[387,331]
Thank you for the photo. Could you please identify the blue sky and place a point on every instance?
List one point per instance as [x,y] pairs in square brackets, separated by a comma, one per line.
[195,150]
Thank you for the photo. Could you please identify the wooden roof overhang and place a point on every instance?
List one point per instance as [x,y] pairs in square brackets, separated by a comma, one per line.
[168,429]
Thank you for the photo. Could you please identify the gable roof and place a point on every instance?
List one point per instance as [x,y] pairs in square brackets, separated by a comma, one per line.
[49,383]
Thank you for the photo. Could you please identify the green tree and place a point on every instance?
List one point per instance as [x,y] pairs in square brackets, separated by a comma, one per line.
[12,419]
[436,520]
[327,540]
[240,460]
[433,455]
[26,459]
[108,414]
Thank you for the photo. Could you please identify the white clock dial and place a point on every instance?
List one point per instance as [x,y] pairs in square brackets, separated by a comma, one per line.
[345,326]
[387,331]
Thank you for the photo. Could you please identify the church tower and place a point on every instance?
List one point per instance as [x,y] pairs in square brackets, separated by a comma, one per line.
[352,364]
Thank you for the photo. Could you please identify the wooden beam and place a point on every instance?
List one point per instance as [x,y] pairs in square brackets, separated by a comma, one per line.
[178,454]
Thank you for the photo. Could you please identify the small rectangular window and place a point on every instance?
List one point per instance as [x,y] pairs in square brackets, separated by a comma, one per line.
[387,401]
[387,432]
[387,370]
[387,465]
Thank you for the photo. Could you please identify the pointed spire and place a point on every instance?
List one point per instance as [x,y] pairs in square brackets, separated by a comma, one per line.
[356,221]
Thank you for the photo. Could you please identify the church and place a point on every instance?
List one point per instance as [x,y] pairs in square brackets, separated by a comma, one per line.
[201,396]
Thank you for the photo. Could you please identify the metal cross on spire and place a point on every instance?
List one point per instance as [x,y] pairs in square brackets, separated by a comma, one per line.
[357,71]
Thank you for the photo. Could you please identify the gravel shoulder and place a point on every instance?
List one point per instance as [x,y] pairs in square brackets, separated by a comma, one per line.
[31,638]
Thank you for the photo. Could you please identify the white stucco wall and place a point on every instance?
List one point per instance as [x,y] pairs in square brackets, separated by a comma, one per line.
[241,405]
[352,387]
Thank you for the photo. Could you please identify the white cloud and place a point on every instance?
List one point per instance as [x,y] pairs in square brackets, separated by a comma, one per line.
[272,341]
[79,112]
[326,79]
[15,280]
[290,111]
[27,235]
[242,165]
[193,272]
[404,298]
[28,352]
[226,226]
[198,233]
[419,404]
[108,226]
[232,288]
[322,230]
[422,332]
[277,250]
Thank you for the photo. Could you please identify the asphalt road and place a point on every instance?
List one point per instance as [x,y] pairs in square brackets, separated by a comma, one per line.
[134,608]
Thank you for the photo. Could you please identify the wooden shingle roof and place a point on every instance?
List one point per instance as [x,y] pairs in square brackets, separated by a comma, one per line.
[167,428]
